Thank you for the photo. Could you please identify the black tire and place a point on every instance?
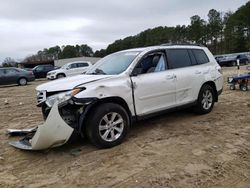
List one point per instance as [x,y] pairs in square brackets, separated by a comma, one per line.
[60,76]
[232,87]
[22,81]
[201,108]
[244,87]
[96,119]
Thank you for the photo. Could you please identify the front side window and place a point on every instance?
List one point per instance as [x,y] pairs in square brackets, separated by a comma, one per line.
[200,56]
[153,62]
[114,64]
[178,58]
[73,66]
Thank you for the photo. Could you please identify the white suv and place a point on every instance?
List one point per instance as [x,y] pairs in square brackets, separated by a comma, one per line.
[69,69]
[125,87]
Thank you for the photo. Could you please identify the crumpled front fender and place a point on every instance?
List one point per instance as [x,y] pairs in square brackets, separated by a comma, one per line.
[54,132]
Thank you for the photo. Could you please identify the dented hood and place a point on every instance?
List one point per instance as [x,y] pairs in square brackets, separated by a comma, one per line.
[70,82]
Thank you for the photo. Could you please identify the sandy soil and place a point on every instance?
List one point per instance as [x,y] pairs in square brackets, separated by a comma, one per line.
[180,149]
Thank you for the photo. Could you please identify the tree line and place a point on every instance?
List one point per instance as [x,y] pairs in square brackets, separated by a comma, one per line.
[57,52]
[222,33]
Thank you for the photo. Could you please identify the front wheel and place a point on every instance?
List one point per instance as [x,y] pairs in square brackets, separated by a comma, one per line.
[60,76]
[232,87]
[206,99]
[108,125]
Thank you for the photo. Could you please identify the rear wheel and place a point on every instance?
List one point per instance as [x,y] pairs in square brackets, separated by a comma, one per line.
[206,100]
[22,81]
[108,125]
[244,87]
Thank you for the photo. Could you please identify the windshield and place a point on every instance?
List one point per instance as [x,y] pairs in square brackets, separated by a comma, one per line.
[65,66]
[114,64]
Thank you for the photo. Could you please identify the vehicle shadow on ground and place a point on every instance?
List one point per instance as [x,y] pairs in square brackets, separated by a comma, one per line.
[28,84]
[12,85]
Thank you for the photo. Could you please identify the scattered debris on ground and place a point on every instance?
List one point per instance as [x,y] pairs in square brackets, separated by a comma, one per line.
[179,149]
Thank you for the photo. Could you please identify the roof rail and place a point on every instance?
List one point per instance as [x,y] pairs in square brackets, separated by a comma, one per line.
[182,44]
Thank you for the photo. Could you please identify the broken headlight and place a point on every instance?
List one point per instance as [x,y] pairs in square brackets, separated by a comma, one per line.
[62,97]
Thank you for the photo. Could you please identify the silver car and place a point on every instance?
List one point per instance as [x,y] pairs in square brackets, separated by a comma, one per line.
[12,75]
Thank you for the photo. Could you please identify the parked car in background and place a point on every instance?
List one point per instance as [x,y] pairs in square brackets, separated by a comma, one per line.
[12,75]
[69,69]
[231,60]
[40,71]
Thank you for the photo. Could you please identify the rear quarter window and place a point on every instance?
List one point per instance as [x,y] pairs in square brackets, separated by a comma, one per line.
[200,56]
[178,58]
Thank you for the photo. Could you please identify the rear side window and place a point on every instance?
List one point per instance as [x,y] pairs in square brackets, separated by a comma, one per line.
[178,58]
[200,56]
[83,64]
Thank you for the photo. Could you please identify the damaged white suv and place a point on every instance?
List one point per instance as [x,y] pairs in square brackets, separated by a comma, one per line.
[122,88]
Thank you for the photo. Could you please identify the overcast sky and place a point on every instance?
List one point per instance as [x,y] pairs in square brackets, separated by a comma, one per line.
[27,26]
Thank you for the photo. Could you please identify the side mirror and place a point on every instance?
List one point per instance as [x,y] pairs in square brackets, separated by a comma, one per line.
[67,68]
[136,72]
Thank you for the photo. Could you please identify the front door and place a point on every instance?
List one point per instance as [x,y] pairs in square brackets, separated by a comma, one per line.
[154,85]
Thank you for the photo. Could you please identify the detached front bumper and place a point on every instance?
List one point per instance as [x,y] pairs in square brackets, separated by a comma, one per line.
[54,132]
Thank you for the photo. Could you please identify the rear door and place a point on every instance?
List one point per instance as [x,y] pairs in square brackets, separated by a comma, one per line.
[82,67]
[153,83]
[47,69]
[185,75]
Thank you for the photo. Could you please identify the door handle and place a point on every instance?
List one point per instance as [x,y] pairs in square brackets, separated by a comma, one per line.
[170,77]
[197,72]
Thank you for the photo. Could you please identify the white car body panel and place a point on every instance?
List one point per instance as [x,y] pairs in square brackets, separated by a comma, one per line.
[153,88]
[69,83]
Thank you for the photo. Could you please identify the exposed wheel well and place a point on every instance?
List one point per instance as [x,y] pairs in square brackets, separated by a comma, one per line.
[61,74]
[212,84]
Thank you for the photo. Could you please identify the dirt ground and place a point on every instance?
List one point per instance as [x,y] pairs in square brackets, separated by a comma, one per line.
[179,149]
